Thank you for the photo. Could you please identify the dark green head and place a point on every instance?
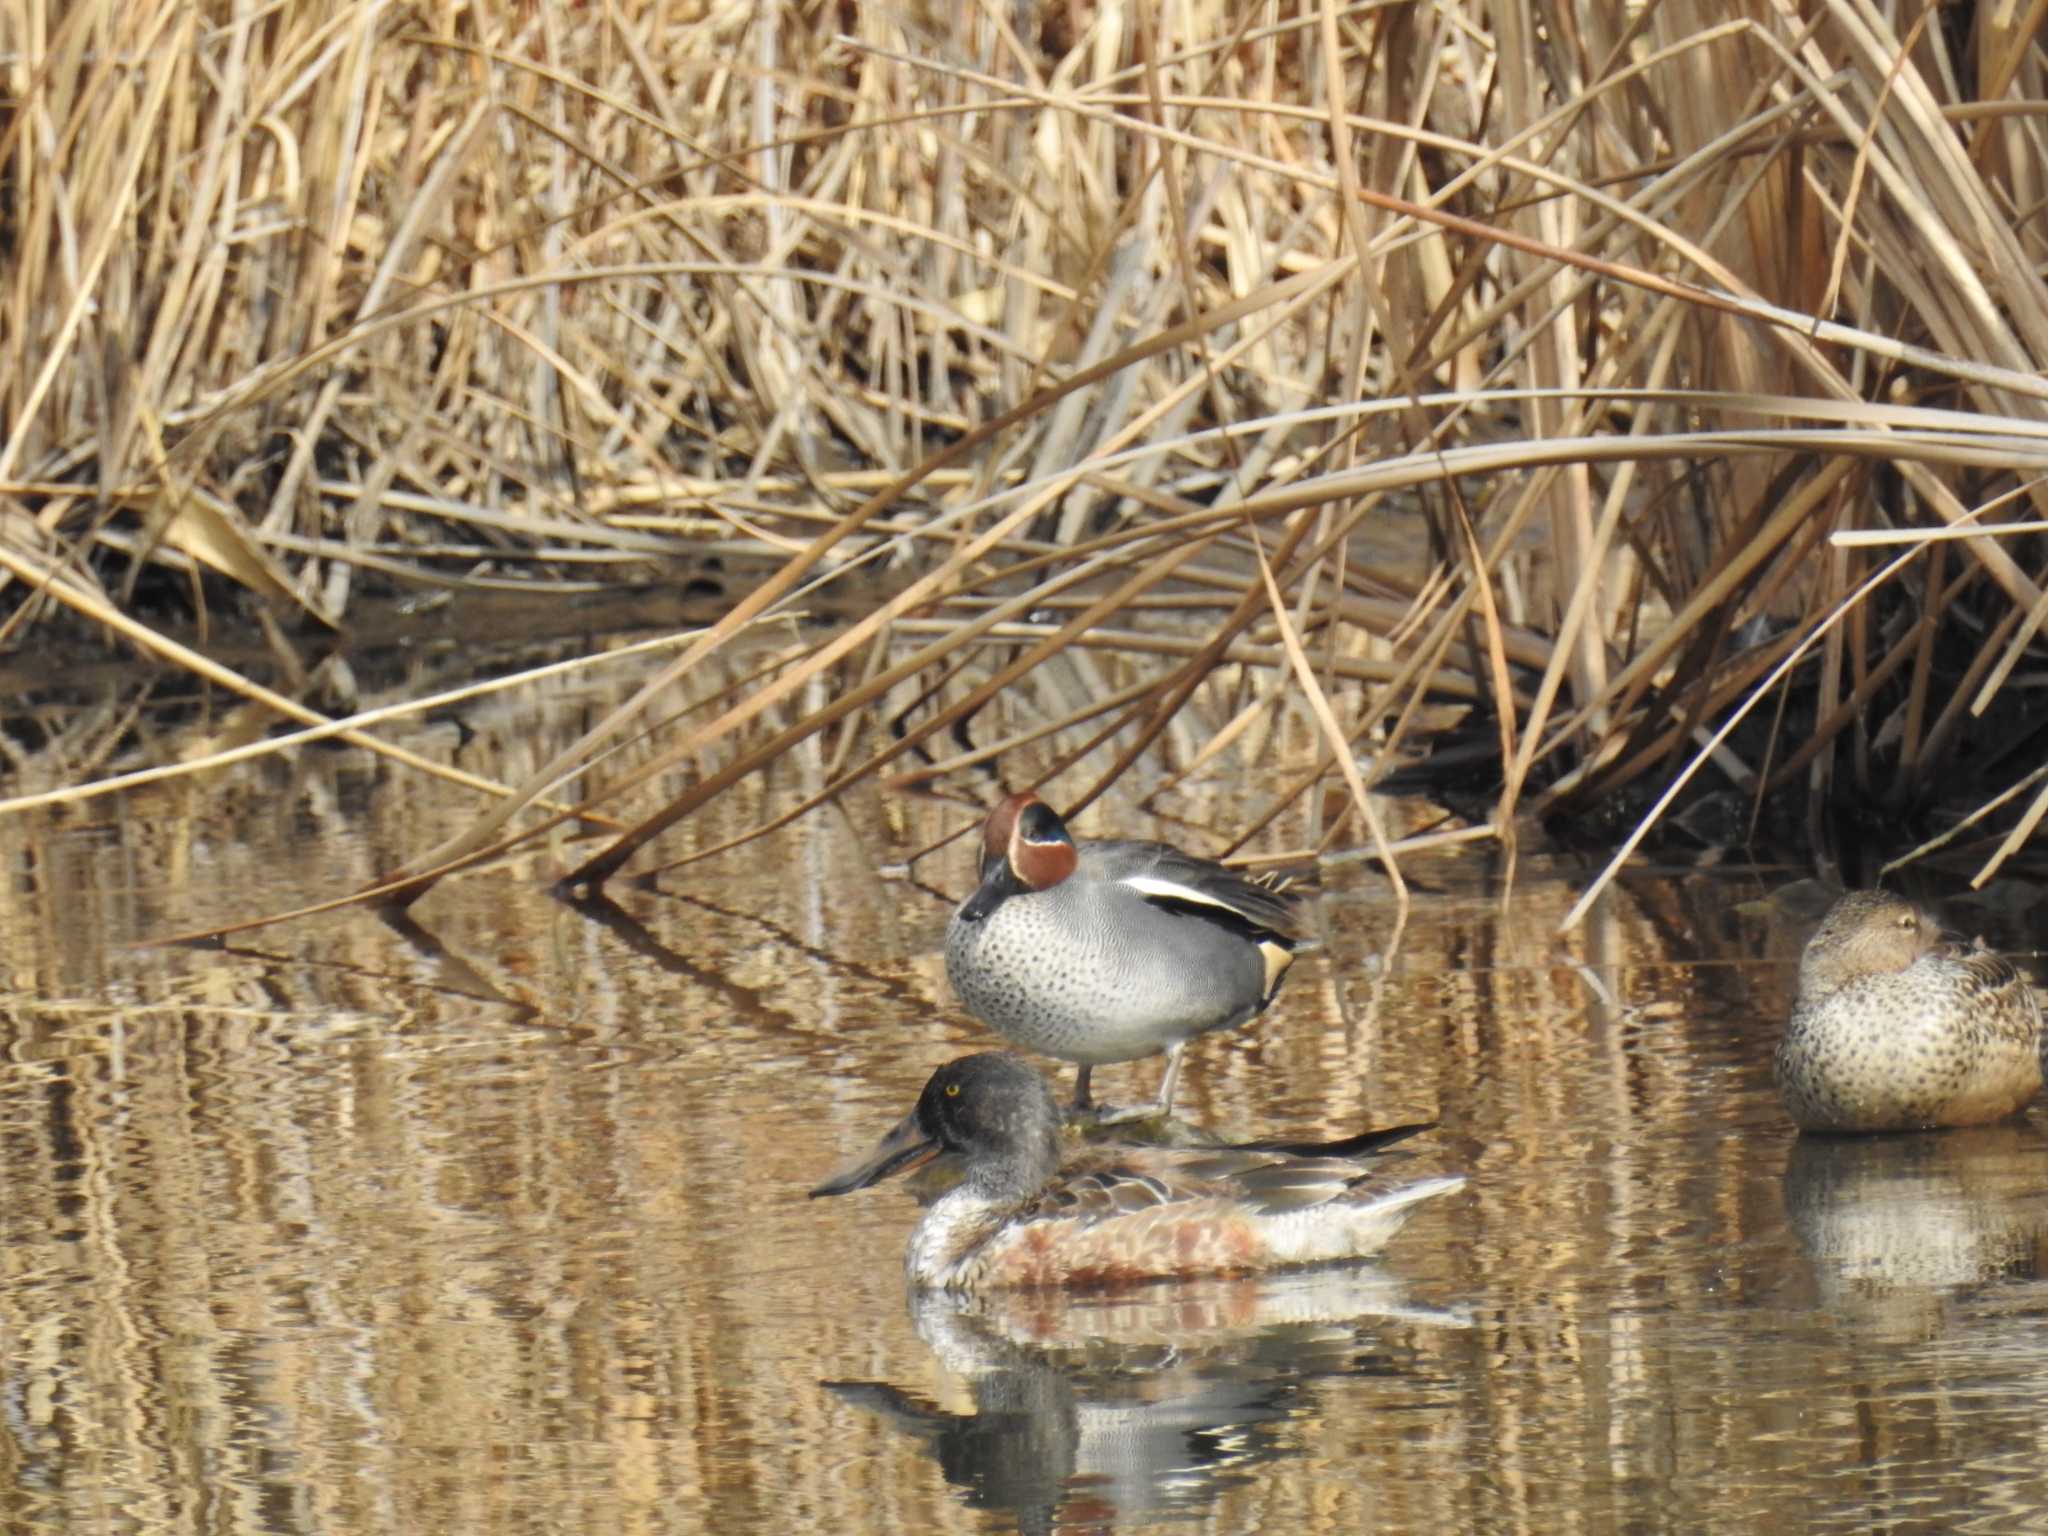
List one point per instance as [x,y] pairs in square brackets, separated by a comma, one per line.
[994,1109]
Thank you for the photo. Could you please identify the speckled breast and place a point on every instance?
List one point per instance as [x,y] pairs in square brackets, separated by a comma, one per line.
[1053,975]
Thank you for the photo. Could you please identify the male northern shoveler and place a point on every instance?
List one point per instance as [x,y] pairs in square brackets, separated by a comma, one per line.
[1115,1215]
[1895,1029]
[1109,951]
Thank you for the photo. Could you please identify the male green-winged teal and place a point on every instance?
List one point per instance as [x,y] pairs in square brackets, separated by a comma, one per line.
[1895,1029]
[1022,1215]
[1108,951]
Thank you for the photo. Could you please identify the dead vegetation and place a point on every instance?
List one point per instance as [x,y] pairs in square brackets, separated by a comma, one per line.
[1628,417]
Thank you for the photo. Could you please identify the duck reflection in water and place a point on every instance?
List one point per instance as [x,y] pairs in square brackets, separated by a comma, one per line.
[1095,1410]
[1896,1225]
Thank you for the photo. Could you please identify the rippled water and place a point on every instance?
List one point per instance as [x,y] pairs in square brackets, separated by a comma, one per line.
[495,1221]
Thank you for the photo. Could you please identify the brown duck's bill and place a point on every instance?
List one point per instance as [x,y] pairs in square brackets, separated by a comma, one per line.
[904,1148]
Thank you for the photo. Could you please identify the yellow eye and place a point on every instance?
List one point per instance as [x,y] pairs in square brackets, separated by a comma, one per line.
[952,1090]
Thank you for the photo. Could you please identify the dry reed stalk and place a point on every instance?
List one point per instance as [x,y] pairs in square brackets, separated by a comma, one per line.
[339,296]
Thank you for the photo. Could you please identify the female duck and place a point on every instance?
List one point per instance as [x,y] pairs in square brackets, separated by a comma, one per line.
[1896,1030]
[1109,951]
[1115,1215]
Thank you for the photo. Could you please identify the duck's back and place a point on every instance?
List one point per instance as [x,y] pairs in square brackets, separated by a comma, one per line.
[1250,905]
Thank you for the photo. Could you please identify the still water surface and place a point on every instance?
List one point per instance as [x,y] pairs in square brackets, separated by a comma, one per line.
[496,1221]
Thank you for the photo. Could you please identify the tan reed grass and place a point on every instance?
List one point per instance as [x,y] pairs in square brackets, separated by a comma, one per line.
[1294,380]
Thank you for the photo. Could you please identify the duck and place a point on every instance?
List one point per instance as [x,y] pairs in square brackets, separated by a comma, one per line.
[1024,1213]
[1897,1028]
[1109,951]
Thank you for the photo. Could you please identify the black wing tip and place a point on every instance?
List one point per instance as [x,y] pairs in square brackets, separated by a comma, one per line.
[1351,1146]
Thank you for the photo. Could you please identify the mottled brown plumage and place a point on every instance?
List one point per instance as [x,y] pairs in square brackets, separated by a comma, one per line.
[1897,1029]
